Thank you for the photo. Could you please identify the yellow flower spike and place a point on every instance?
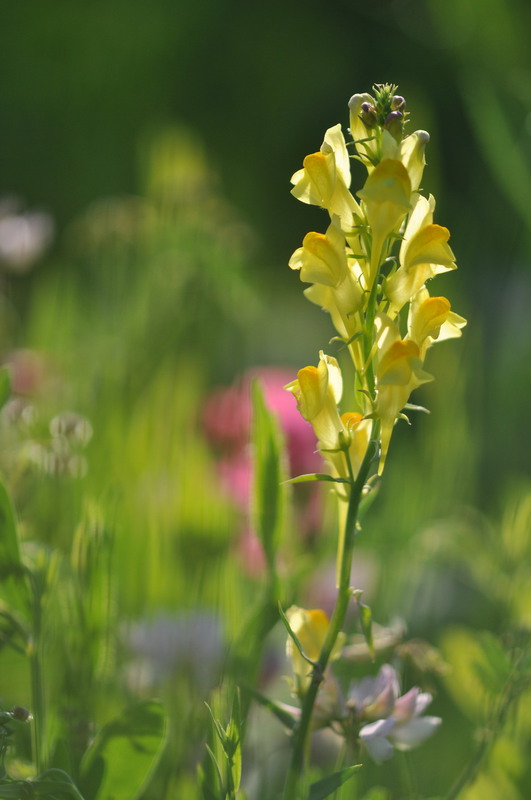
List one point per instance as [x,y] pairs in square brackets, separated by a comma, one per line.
[429,246]
[312,392]
[360,131]
[424,253]
[343,300]
[310,626]
[399,373]
[430,319]
[325,178]
[386,197]
[321,171]
[322,258]
[395,367]
[334,143]
[318,391]
[359,429]
[412,155]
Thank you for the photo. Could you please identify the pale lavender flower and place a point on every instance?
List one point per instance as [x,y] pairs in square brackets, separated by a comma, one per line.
[396,721]
[372,698]
[191,643]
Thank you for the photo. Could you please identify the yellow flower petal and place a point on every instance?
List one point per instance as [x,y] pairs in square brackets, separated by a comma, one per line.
[322,258]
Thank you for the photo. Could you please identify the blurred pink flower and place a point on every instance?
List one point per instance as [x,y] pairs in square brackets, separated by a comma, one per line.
[227,417]
[227,422]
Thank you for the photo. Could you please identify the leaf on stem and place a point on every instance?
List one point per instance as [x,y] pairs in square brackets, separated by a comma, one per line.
[316,476]
[326,786]
[129,747]
[293,636]
[268,496]
[366,625]
[279,711]
[14,588]
[5,386]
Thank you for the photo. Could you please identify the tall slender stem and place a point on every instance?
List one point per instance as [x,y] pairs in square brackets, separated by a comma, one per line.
[301,736]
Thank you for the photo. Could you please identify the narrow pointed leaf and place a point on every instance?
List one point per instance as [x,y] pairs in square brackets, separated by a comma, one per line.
[14,588]
[366,626]
[5,386]
[316,476]
[326,786]
[268,496]
[282,714]
[293,636]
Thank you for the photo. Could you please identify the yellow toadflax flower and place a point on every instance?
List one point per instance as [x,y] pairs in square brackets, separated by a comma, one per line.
[318,391]
[322,257]
[431,319]
[386,199]
[325,178]
[398,373]
[424,253]
[310,626]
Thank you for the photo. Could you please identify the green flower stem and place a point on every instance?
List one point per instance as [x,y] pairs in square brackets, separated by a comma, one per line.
[369,334]
[344,594]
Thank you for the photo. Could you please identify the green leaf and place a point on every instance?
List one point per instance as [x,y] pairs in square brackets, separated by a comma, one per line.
[233,746]
[316,476]
[52,784]
[495,667]
[14,588]
[129,747]
[328,785]
[366,625]
[268,496]
[5,386]
[217,771]
[376,793]
[284,716]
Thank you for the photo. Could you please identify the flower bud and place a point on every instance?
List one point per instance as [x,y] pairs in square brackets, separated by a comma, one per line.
[393,123]
[398,103]
[21,714]
[368,115]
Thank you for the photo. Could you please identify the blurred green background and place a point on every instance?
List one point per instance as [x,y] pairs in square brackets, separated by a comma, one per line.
[160,138]
[86,87]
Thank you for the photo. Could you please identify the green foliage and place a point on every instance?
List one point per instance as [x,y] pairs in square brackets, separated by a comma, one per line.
[120,761]
[326,786]
[14,589]
[269,495]
[223,781]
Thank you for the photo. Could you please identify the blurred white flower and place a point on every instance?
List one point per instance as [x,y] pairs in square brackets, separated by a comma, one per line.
[24,236]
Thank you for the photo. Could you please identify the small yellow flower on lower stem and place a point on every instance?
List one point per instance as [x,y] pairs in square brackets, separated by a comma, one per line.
[310,626]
